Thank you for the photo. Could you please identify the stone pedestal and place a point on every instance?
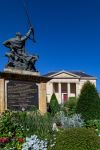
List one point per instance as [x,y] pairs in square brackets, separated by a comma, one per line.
[12,79]
[2,95]
[24,72]
[42,98]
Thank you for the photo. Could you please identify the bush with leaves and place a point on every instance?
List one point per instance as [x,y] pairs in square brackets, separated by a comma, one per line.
[71,121]
[93,124]
[54,107]
[77,139]
[69,107]
[89,102]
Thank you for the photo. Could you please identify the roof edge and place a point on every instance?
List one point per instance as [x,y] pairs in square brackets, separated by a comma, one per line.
[63,71]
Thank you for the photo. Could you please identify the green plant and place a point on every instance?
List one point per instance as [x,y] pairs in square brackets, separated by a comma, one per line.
[11,130]
[7,127]
[76,139]
[71,121]
[21,124]
[54,106]
[14,145]
[69,106]
[88,104]
[94,124]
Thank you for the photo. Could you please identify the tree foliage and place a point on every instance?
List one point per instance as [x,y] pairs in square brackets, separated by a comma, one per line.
[54,106]
[89,102]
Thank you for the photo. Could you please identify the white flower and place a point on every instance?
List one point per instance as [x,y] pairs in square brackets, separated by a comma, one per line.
[34,143]
[55,128]
[96,129]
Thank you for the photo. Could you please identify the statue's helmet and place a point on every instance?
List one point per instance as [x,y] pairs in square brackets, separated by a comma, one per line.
[18,34]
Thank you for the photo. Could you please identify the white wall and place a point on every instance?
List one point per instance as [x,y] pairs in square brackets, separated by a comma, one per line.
[79,84]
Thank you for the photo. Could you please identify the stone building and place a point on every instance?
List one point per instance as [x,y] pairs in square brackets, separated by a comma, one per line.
[66,84]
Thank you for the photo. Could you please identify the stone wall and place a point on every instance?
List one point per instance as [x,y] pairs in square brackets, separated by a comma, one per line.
[2,95]
[79,83]
[41,96]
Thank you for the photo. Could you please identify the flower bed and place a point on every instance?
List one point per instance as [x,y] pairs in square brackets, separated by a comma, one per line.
[31,130]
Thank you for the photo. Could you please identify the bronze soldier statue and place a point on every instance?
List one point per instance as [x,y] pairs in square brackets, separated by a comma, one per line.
[18,43]
[18,58]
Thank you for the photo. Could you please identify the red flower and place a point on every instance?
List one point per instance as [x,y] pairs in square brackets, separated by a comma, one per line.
[4,139]
[21,140]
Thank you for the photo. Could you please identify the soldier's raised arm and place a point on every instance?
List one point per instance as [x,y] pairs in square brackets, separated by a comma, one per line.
[27,34]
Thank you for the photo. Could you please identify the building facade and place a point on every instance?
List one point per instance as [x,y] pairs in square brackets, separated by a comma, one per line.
[66,84]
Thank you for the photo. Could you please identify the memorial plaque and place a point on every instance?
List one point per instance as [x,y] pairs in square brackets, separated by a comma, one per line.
[21,95]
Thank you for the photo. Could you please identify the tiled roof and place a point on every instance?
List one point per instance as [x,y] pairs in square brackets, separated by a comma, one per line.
[81,74]
[78,73]
[50,73]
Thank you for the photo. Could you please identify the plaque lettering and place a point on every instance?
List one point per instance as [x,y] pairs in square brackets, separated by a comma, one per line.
[21,94]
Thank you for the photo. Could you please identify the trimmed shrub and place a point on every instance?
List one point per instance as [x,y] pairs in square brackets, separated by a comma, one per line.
[77,139]
[54,106]
[89,102]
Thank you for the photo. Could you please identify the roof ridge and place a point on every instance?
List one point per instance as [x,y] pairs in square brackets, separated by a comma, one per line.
[77,73]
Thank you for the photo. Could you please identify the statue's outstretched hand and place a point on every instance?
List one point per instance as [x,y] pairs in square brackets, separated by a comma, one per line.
[31,28]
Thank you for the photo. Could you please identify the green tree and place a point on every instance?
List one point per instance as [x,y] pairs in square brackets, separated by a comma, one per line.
[89,102]
[54,106]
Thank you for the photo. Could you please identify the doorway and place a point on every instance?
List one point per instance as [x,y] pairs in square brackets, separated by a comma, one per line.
[64,92]
[64,97]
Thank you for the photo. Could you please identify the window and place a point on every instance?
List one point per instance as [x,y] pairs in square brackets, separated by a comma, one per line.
[64,87]
[55,87]
[72,88]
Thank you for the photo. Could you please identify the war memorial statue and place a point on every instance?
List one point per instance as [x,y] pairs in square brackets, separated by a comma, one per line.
[21,85]
[17,57]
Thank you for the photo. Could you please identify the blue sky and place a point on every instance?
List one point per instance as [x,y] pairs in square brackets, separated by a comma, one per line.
[67,33]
